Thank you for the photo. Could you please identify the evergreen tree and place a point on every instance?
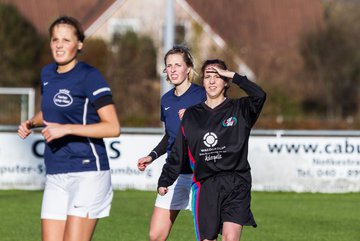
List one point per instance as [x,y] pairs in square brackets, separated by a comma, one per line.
[20,49]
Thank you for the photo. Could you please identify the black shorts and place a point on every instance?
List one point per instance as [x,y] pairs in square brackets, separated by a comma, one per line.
[224,197]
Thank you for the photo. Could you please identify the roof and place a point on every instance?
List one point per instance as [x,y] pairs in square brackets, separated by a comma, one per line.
[271,22]
[256,30]
[260,24]
[41,13]
[240,22]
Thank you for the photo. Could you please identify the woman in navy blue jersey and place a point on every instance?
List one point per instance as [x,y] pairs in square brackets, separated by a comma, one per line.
[215,134]
[179,67]
[77,112]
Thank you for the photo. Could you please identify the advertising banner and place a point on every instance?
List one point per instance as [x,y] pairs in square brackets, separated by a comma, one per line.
[22,164]
[305,164]
[300,164]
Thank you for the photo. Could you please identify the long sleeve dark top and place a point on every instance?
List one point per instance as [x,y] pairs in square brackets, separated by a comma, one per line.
[161,147]
[216,140]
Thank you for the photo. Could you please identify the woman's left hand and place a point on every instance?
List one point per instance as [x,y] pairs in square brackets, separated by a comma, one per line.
[54,131]
[162,190]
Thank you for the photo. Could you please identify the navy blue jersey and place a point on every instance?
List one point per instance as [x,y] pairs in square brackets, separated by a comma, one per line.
[216,139]
[68,98]
[170,106]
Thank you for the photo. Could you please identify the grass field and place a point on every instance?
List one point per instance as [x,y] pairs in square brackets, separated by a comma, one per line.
[280,217]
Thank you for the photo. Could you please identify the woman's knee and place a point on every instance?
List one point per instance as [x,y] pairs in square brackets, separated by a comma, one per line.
[157,235]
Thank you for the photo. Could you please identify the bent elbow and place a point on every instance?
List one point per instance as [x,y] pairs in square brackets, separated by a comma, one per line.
[116,131]
[264,96]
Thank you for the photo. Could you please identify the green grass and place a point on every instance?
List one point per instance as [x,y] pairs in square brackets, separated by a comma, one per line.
[280,217]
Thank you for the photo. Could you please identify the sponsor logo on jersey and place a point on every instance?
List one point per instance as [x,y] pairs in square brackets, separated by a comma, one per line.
[166,108]
[212,153]
[210,139]
[63,98]
[232,121]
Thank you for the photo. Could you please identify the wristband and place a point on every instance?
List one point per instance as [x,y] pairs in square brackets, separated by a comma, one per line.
[32,125]
[153,155]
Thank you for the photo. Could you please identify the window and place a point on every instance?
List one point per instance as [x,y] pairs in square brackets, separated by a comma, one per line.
[119,26]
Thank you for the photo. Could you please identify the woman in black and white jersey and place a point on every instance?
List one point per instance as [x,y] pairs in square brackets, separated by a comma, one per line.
[215,134]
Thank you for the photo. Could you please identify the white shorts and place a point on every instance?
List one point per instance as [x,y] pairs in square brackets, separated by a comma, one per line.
[82,194]
[178,196]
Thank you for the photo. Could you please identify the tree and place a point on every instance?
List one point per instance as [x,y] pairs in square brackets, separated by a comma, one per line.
[332,57]
[20,49]
[95,53]
[133,77]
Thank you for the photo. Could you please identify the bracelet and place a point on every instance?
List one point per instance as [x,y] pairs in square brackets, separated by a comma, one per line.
[32,125]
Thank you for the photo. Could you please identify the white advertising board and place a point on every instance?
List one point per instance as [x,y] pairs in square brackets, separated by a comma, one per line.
[301,164]
[305,164]
[22,165]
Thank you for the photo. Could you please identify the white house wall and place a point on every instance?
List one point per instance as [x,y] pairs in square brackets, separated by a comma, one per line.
[147,17]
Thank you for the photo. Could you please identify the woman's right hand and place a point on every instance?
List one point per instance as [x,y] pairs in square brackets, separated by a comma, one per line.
[144,162]
[223,72]
[24,129]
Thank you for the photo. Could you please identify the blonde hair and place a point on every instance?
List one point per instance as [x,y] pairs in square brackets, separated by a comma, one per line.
[187,57]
